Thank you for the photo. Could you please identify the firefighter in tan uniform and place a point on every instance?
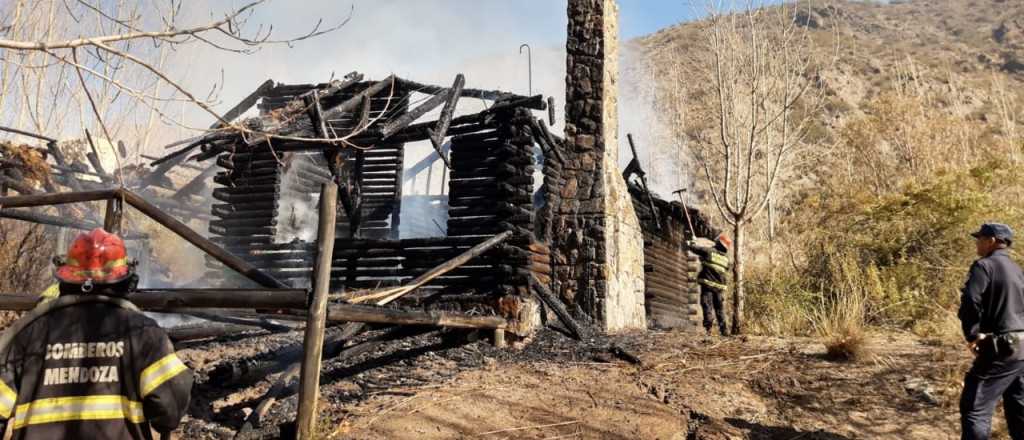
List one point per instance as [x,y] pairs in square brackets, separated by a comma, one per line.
[89,365]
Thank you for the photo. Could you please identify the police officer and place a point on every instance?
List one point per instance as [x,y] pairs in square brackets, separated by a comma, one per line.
[89,365]
[992,317]
[714,267]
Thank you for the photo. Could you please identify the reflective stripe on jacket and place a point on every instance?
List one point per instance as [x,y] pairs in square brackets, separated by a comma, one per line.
[718,262]
[712,284]
[714,268]
[92,370]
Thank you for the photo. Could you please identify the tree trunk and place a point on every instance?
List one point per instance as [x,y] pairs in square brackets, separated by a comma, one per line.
[771,238]
[738,294]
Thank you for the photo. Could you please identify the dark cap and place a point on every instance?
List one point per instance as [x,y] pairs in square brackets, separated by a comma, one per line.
[997,231]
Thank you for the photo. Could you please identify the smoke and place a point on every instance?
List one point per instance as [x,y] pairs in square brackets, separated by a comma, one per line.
[428,40]
[664,160]
[298,213]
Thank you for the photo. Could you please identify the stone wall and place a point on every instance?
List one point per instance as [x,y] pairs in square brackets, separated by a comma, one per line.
[596,237]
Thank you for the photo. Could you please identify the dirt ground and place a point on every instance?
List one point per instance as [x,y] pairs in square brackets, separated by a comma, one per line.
[686,387]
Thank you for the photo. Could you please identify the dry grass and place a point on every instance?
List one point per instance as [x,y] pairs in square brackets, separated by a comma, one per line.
[843,332]
[840,318]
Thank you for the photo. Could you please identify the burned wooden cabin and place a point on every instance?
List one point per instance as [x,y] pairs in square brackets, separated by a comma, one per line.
[353,132]
[507,258]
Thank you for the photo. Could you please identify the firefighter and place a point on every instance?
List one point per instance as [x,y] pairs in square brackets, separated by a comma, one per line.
[714,260]
[51,293]
[992,318]
[89,364]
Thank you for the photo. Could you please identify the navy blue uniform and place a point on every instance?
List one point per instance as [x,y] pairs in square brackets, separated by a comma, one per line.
[992,303]
[92,371]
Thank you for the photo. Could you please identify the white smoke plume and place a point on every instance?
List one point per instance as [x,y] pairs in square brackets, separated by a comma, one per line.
[429,41]
[298,211]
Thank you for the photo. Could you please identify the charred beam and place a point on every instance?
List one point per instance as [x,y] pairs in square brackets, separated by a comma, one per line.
[403,121]
[444,121]
[490,95]
[350,104]
[176,158]
[172,299]
[557,306]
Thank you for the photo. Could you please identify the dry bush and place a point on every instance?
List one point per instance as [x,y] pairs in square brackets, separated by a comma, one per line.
[779,305]
[942,328]
[25,254]
[902,138]
[25,251]
[839,319]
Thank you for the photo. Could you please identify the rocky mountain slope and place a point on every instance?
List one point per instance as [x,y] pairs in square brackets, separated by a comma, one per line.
[957,48]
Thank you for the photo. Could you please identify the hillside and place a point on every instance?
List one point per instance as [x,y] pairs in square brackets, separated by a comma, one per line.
[957,48]
[962,58]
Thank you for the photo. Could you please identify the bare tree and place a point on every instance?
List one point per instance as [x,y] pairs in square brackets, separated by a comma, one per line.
[68,64]
[751,90]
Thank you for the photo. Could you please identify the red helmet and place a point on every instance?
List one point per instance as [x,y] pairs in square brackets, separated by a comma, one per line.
[97,256]
[724,239]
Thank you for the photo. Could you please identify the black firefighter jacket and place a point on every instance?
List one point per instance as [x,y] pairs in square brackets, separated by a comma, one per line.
[714,267]
[992,302]
[92,371]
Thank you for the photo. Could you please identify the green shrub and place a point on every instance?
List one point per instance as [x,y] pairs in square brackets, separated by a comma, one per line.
[903,256]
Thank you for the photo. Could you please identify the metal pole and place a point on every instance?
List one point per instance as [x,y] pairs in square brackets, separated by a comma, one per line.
[309,379]
[529,65]
[114,215]
[682,203]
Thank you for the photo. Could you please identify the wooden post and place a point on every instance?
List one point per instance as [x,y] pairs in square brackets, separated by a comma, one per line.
[172,300]
[94,158]
[385,315]
[499,338]
[113,217]
[61,221]
[309,378]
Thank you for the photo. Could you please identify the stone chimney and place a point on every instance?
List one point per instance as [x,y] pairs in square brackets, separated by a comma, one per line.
[597,238]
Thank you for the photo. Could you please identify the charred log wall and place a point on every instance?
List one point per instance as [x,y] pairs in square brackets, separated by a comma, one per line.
[264,194]
[672,296]
[490,191]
